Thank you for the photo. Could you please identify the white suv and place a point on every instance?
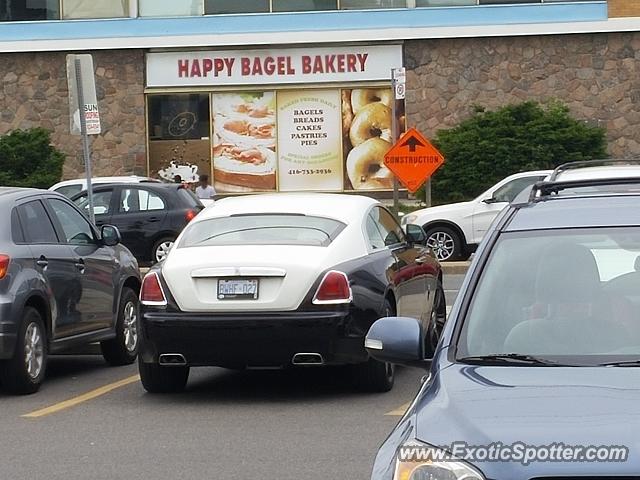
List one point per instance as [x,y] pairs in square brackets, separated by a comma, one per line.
[454,231]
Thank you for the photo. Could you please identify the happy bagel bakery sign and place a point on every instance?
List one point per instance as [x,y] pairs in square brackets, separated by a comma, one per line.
[285,66]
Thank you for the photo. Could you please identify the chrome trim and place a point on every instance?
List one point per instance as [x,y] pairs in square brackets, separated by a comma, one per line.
[163,359]
[238,272]
[311,354]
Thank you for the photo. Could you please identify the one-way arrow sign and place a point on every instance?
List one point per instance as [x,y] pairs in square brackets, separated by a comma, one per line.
[413,160]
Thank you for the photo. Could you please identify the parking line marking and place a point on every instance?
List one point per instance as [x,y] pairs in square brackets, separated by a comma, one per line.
[400,411]
[85,397]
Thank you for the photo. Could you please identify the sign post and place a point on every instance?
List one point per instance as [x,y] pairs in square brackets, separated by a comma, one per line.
[83,107]
[398,78]
[413,160]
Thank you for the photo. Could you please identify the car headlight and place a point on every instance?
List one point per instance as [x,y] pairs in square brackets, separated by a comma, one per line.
[408,219]
[417,461]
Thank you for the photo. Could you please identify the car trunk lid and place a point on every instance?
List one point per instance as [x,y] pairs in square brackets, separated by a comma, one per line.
[284,275]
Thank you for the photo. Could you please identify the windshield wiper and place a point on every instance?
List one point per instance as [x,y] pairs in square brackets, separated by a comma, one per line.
[508,358]
[623,363]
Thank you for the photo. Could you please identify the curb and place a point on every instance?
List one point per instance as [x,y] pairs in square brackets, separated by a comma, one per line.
[455,268]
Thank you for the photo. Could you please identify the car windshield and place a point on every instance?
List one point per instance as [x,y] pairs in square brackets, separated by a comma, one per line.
[69,190]
[571,296]
[276,229]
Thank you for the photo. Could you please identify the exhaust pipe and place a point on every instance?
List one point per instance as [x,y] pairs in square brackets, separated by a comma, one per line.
[172,360]
[307,359]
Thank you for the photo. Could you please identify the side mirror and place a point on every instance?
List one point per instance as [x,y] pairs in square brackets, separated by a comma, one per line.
[397,340]
[491,200]
[415,234]
[110,235]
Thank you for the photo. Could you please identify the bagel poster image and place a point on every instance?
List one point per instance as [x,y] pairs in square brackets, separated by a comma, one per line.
[366,137]
[244,141]
[309,140]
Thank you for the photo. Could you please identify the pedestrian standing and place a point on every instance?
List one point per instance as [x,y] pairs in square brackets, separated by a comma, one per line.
[205,191]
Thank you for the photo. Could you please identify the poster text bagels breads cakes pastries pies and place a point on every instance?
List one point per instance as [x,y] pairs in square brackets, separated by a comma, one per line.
[244,147]
[309,137]
[366,129]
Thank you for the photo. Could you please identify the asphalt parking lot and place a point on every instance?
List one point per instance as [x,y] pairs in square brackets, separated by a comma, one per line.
[93,421]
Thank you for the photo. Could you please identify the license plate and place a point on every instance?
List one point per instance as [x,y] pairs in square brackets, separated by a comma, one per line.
[238,289]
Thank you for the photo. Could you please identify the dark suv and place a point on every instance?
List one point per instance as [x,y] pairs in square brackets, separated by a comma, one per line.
[150,216]
[63,283]
[537,372]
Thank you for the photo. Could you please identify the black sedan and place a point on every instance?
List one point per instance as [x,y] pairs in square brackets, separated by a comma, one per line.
[272,281]
[63,283]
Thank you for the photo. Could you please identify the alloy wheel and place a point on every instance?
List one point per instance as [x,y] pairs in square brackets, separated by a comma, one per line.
[33,350]
[130,327]
[163,250]
[442,244]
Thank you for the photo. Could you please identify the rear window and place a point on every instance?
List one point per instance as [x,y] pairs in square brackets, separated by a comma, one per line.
[188,197]
[38,228]
[277,229]
[16,229]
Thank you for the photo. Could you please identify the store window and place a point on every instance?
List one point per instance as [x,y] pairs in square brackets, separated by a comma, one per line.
[364,4]
[236,6]
[170,8]
[24,10]
[179,130]
[72,9]
[303,5]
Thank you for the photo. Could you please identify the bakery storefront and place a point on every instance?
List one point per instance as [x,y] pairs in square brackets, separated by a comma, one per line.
[299,119]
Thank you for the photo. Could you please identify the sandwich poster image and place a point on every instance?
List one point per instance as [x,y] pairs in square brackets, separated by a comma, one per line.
[309,140]
[366,137]
[244,142]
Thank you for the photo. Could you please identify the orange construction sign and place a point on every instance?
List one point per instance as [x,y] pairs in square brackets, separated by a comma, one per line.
[413,160]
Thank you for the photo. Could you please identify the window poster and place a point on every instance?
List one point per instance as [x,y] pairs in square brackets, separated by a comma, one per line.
[244,142]
[366,137]
[309,140]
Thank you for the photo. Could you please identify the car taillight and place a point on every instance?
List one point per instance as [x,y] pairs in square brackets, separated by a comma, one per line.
[334,288]
[4,265]
[190,215]
[151,292]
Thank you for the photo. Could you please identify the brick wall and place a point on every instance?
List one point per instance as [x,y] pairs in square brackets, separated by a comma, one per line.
[33,93]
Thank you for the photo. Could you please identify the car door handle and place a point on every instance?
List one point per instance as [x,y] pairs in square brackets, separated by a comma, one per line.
[154,219]
[42,262]
[80,265]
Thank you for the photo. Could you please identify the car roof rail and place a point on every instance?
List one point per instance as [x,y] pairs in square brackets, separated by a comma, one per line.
[604,162]
[544,190]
